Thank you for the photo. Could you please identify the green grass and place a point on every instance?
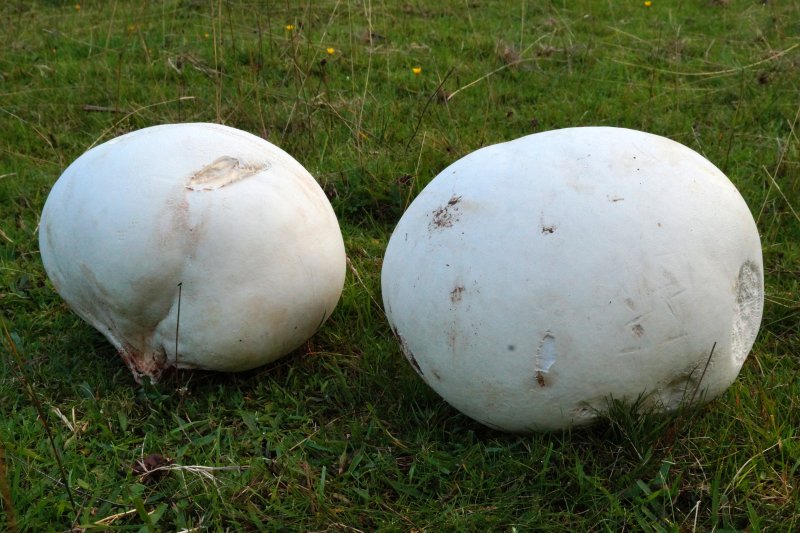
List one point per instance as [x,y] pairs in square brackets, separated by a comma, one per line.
[342,435]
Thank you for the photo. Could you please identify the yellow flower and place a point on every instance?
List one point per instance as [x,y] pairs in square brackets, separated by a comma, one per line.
[416,70]
[289,27]
[330,50]
[648,3]
[205,36]
[77,7]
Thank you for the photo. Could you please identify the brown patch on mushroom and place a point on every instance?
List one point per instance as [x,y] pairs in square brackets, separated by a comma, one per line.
[455,294]
[445,216]
[638,330]
[540,378]
[548,229]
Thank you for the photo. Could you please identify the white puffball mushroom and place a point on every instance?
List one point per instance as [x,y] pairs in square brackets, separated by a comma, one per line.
[533,280]
[199,237]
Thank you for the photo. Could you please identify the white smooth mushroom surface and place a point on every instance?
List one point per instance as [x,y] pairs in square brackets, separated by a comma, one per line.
[193,245]
[532,281]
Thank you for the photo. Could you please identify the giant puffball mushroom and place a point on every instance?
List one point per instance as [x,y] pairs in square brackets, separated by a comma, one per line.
[193,246]
[532,281]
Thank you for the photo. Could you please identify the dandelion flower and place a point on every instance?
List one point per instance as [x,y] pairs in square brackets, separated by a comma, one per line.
[648,3]
[289,27]
[416,70]
[77,7]
[330,50]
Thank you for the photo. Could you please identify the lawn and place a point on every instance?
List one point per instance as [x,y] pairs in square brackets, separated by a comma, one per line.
[375,98]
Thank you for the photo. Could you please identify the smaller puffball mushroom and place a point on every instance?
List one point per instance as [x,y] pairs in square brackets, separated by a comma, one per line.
[193,246]
[531,281]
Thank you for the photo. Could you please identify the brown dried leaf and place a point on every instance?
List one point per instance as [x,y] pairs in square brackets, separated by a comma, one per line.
[151,467]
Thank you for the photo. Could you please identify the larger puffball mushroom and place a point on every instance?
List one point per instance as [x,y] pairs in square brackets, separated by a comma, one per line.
[532,281]
[193,246]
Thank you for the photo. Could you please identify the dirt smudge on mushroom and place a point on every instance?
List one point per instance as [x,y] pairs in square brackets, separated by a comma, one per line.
[445,216]
[455,294]
[546,227]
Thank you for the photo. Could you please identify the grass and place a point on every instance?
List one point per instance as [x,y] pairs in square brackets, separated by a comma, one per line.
[342,435]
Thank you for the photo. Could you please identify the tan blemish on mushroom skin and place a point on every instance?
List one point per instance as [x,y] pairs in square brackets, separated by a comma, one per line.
[221,172]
